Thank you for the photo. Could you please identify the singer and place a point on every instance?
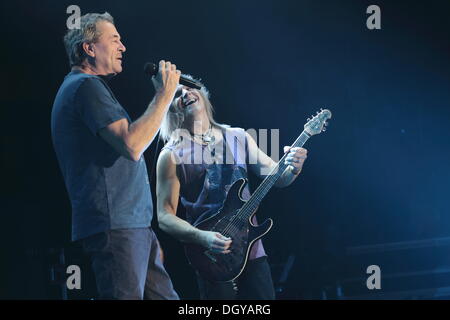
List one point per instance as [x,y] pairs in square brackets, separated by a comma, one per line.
[99,150]
[191,134]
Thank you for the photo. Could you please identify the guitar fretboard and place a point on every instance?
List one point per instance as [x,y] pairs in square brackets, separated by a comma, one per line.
[250,206]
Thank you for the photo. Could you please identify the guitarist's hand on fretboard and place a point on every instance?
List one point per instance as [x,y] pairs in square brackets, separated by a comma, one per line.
[295,158]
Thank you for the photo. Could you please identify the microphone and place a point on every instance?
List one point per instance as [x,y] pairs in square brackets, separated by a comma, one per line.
[152,69]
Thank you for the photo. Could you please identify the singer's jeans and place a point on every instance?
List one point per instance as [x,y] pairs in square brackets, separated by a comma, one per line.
[127,265]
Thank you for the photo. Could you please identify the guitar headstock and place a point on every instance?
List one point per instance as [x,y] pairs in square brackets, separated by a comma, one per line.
[318,122]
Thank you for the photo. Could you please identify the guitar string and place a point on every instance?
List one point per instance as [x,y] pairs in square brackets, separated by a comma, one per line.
[236,224]
[237,221]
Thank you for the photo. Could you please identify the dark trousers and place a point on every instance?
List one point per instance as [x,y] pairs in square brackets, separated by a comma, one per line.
[255,283]
[127,265]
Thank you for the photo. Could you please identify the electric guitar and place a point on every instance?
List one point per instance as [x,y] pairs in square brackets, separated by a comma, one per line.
[233,219]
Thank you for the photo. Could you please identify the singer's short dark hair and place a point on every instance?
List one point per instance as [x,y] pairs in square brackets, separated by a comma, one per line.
[87,33]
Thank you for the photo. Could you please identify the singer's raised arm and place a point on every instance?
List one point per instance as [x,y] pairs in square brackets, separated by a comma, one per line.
[132,139]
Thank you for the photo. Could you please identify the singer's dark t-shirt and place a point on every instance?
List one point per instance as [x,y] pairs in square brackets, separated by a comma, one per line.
[107,191]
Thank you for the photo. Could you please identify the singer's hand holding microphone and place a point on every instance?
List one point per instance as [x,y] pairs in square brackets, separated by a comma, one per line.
[166,80]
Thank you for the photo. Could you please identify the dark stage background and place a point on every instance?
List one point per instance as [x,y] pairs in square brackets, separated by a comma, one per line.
[380,174]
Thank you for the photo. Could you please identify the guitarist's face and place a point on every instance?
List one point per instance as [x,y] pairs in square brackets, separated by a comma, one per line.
[189,101]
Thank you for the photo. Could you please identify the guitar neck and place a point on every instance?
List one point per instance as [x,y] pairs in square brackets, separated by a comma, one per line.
[250,206]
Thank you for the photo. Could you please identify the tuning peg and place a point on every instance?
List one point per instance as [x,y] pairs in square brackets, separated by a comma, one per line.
[324,129]
[321,109]
[309,119]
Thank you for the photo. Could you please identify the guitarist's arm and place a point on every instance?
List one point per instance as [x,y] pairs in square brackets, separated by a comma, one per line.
[167,194]
[264,164]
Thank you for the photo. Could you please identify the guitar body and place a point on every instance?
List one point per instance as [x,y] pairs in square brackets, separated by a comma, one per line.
[220,267]
[234,218]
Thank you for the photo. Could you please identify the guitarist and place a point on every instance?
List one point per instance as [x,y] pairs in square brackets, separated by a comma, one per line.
[198,164]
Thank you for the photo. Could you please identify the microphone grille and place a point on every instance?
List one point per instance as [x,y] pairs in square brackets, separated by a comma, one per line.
[150,69]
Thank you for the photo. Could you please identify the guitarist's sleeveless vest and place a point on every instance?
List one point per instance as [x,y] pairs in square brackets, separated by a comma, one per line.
[204,185]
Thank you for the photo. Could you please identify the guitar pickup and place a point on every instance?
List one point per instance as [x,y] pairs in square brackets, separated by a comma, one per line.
[210,256]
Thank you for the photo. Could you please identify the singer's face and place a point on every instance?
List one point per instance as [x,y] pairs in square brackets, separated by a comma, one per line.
[189,100]
[108,49]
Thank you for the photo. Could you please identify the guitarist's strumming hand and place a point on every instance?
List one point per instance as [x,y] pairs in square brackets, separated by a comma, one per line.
[214,241]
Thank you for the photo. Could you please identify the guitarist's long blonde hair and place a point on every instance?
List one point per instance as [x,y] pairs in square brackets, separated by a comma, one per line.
[174,117]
